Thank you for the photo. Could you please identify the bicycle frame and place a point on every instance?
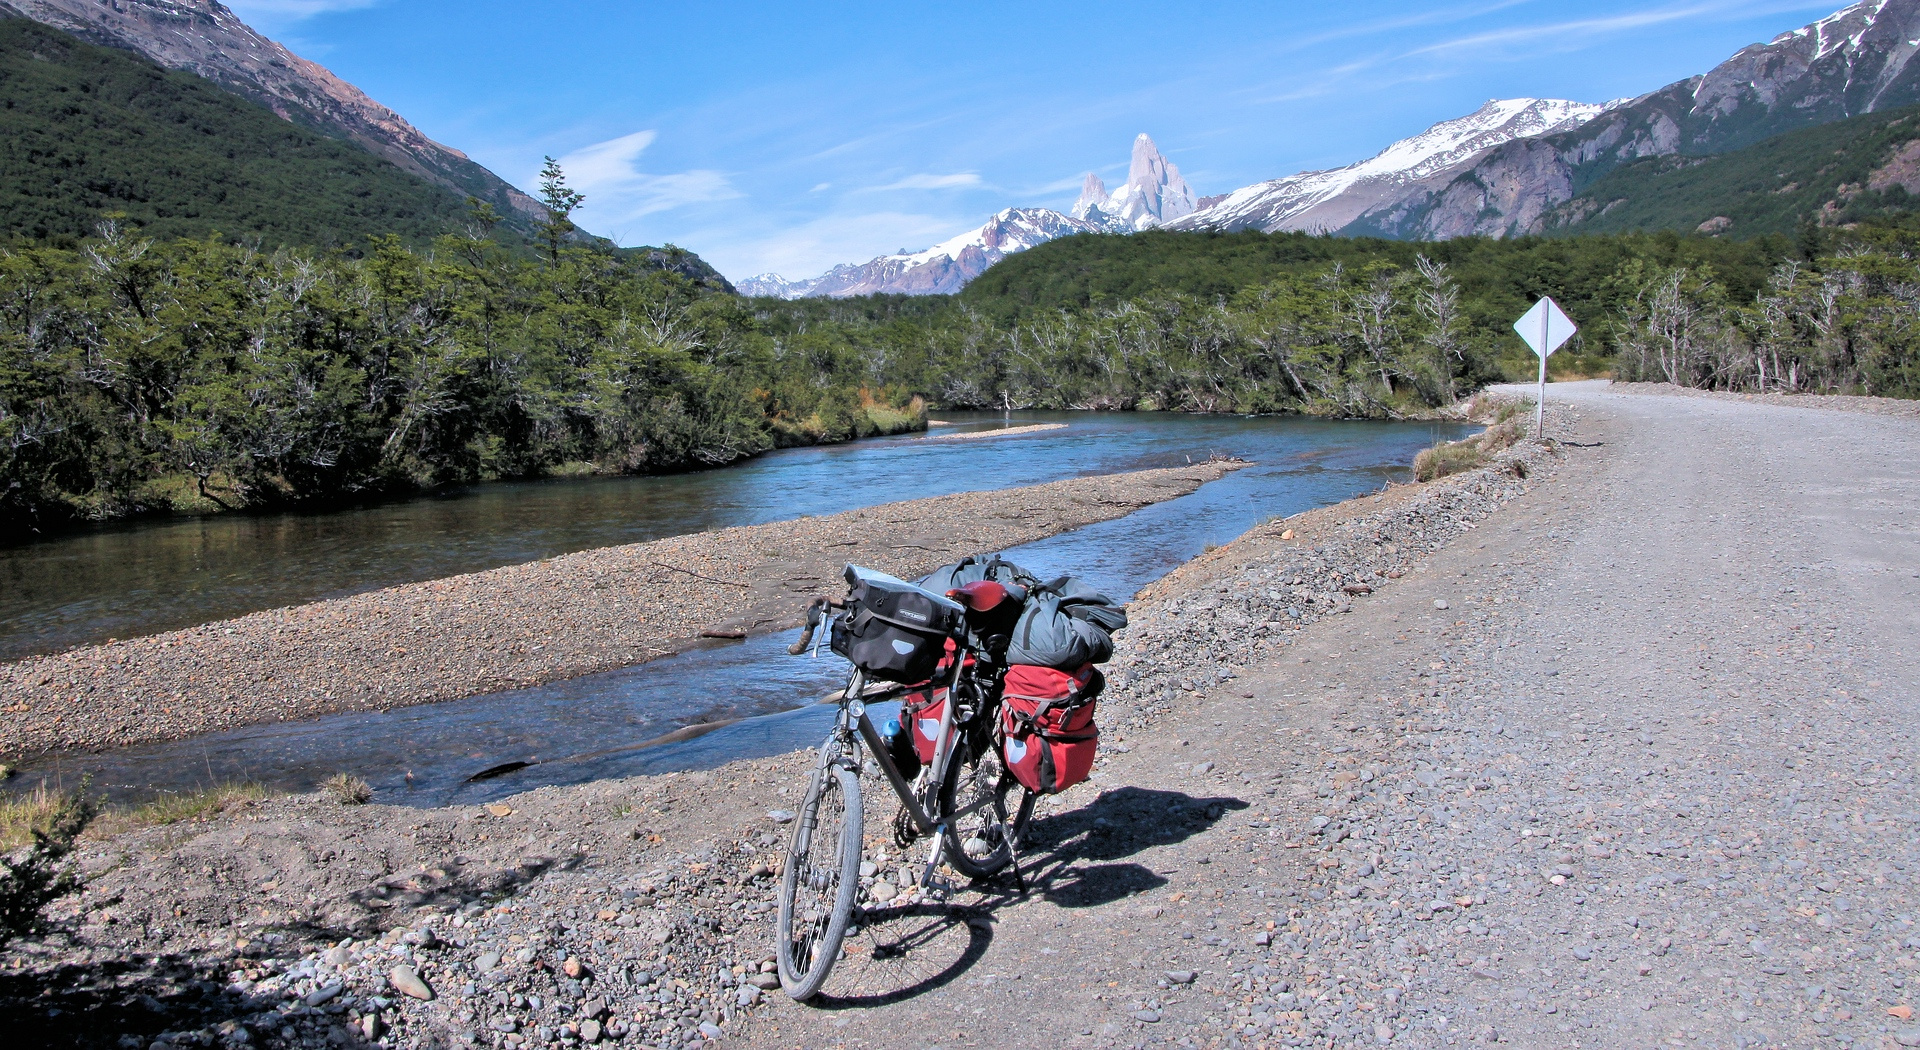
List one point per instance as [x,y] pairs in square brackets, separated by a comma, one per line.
[853,720]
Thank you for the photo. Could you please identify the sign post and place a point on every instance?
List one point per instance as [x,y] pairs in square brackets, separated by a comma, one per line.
[1545,328]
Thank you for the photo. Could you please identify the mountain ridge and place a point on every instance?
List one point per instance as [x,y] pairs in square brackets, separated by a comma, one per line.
[1854,61]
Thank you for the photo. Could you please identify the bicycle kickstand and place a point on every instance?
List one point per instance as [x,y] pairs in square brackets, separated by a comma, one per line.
[933,857]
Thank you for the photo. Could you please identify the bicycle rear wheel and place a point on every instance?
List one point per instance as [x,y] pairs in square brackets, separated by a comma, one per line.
[818,885]
[995,810]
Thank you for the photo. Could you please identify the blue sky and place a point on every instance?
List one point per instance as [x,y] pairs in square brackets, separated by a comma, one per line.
[787,137]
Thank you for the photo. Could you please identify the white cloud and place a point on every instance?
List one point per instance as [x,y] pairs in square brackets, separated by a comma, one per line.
[618,191]
[961,180]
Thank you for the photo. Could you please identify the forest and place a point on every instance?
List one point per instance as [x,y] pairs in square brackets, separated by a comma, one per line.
[198,374]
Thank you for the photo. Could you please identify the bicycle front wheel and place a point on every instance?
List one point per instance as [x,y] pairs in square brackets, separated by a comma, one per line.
[817,887]
[992,809]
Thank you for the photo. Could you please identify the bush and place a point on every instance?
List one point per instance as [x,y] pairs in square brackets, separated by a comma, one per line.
[32,876]
[347,789]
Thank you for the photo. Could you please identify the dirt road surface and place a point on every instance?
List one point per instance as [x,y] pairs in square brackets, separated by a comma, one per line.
[1631,766]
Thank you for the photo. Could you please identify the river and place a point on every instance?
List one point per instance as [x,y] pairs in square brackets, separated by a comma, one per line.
[120,581]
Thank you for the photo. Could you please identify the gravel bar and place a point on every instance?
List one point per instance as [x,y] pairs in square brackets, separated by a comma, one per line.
[522,625]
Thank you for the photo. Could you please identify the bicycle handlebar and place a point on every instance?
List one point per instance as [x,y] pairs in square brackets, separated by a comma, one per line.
[815,611]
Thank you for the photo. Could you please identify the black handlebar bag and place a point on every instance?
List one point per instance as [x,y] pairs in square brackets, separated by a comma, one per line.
[893,630]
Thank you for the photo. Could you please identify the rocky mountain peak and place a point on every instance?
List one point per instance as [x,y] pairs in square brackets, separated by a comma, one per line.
[1154,194]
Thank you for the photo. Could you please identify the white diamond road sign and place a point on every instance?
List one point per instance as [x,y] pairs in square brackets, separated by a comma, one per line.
[1544,328]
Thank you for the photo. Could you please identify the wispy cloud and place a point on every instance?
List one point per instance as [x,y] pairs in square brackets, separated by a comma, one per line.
[961,180]
[1580,32]
[285,11]
[618,191]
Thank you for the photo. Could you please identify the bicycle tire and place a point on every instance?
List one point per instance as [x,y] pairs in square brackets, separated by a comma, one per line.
[979,775]
[829,874]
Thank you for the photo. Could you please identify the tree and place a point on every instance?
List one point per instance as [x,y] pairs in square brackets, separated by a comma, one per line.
[561,201]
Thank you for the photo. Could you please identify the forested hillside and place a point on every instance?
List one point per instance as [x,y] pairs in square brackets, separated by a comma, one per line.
[86,131]
[1833,175]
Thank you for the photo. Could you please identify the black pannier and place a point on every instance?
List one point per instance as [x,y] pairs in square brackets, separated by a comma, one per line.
[892,629]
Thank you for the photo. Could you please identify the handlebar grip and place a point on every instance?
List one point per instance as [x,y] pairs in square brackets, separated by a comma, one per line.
[813,623]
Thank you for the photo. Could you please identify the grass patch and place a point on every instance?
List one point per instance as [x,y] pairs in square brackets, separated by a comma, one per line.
[20,814]
[176,808]
[347,789]
[1457,457]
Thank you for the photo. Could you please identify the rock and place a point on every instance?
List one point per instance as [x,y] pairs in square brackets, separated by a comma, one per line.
[710,1030]
[1180,976]
[883,891]
[868,869]
[1903,1012]
[325,995]
[370,1026]
[780,816]
[747,995]
[589,1031]
[487,962]
[337,957]
[593,1009]
[573,967]
[1287,535]
[1441,604]
[1582,952]
[1147,1016]
[1911,1037]
[1263,938]
[766,982]
[408,983]
[1202,768]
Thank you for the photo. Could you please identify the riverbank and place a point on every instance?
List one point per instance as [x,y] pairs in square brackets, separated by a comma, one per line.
[523,624]
[658,887]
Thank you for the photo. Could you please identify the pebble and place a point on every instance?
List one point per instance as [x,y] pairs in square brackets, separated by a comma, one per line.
[1147,1016]
[780,816]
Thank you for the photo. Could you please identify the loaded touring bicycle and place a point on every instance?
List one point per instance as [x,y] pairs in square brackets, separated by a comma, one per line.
[993,672]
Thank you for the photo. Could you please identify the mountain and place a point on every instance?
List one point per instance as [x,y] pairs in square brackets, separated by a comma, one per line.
[1834,174]
[206,39]
[944,268]
[1855,61]
[1153,195]
[91,130]
[1329,200]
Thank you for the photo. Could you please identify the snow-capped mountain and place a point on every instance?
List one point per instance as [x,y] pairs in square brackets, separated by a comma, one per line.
[1856,60]
[1329,200]
[945,267]
[1154,194]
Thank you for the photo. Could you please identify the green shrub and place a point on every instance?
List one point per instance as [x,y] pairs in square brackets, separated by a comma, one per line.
[33,875]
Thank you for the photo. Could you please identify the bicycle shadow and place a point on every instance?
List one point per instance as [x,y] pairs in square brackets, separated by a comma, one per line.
[1071,858]
[1075,859]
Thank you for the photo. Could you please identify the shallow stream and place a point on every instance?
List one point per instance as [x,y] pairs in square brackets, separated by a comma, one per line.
[74,589]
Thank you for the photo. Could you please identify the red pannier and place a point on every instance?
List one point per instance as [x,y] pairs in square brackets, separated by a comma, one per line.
[922,708]
[1046,716]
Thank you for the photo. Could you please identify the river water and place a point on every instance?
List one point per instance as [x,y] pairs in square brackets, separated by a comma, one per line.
[140,579]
